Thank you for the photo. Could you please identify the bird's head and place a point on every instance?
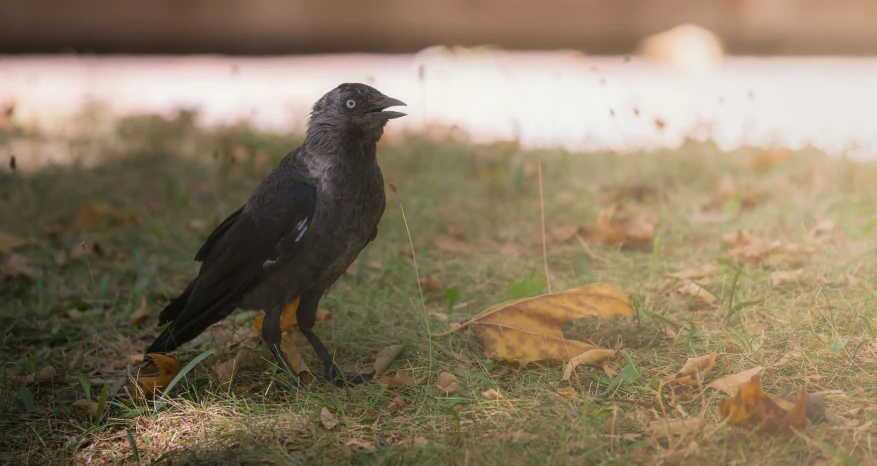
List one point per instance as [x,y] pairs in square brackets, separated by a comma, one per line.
[356,108]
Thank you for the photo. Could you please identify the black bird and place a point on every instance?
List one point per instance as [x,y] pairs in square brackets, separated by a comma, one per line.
[301,228]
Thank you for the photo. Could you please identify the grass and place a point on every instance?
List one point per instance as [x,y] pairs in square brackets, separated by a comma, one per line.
[171,174]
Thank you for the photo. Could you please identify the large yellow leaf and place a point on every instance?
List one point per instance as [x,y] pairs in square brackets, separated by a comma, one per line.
[529,330]
[159,371]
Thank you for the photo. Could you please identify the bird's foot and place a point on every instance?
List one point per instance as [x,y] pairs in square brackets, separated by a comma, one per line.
[342,379]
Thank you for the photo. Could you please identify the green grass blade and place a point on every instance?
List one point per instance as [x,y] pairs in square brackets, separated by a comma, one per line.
[186,370]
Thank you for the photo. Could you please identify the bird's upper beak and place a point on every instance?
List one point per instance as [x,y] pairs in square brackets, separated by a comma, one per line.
[379,105]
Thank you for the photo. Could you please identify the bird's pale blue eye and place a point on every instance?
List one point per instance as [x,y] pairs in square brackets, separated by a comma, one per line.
[350,103]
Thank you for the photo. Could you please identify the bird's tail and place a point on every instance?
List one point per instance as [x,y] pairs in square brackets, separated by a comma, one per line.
[165,342]
[186,324]
[176,306]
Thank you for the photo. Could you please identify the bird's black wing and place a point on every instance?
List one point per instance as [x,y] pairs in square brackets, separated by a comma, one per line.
[239,251]
[217,234]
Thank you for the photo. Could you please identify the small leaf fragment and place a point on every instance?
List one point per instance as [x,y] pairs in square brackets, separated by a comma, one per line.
[430,284]
[693,372]
[360,445]
[494,395]
[781,276]
[86,405]
[447,384]
[139,316]
[731,383]
[612,229]
[227,370]
[385,357]
[43,375]
[10,242]
[695,273]
[591,357]
[693,289]
[328,419]
[297,363]
[676,427]
[399,379]
[18,265]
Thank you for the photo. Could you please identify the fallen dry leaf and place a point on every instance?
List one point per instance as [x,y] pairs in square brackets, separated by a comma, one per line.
[359,445]
[84,252]
[580,445]
[97,216]
[464,361]
[516,436]
[693,372]
[529,330]
[695,273]
[614,230]
[561,235]
[297,363]
[430,284]
[770,159]
[18,266]
[638,192]
[10,242]
[288,319]
[227,370]
[592,357]
[612,423]
[86,405]
[731,383]
[693,289]
[447,384]
[727,190]
[781,276]
[753,408]
[790,357]
[399,379]
[676,427]
[397,404]
[158,372]
[138,317]
[567,391]
[494,395]
[43,375]
[136,358]
[824,232]
[328,419]
[752,249]
[451,244]
[757,328]
[385,357]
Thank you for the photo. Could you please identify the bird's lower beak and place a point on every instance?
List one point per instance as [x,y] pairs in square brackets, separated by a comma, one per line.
[379,110]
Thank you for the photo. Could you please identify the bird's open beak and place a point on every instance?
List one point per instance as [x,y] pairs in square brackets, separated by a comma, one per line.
[380,105]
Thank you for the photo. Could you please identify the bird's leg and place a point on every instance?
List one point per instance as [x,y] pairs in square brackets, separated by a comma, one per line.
[306,315]
[332,372]
[272,335]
